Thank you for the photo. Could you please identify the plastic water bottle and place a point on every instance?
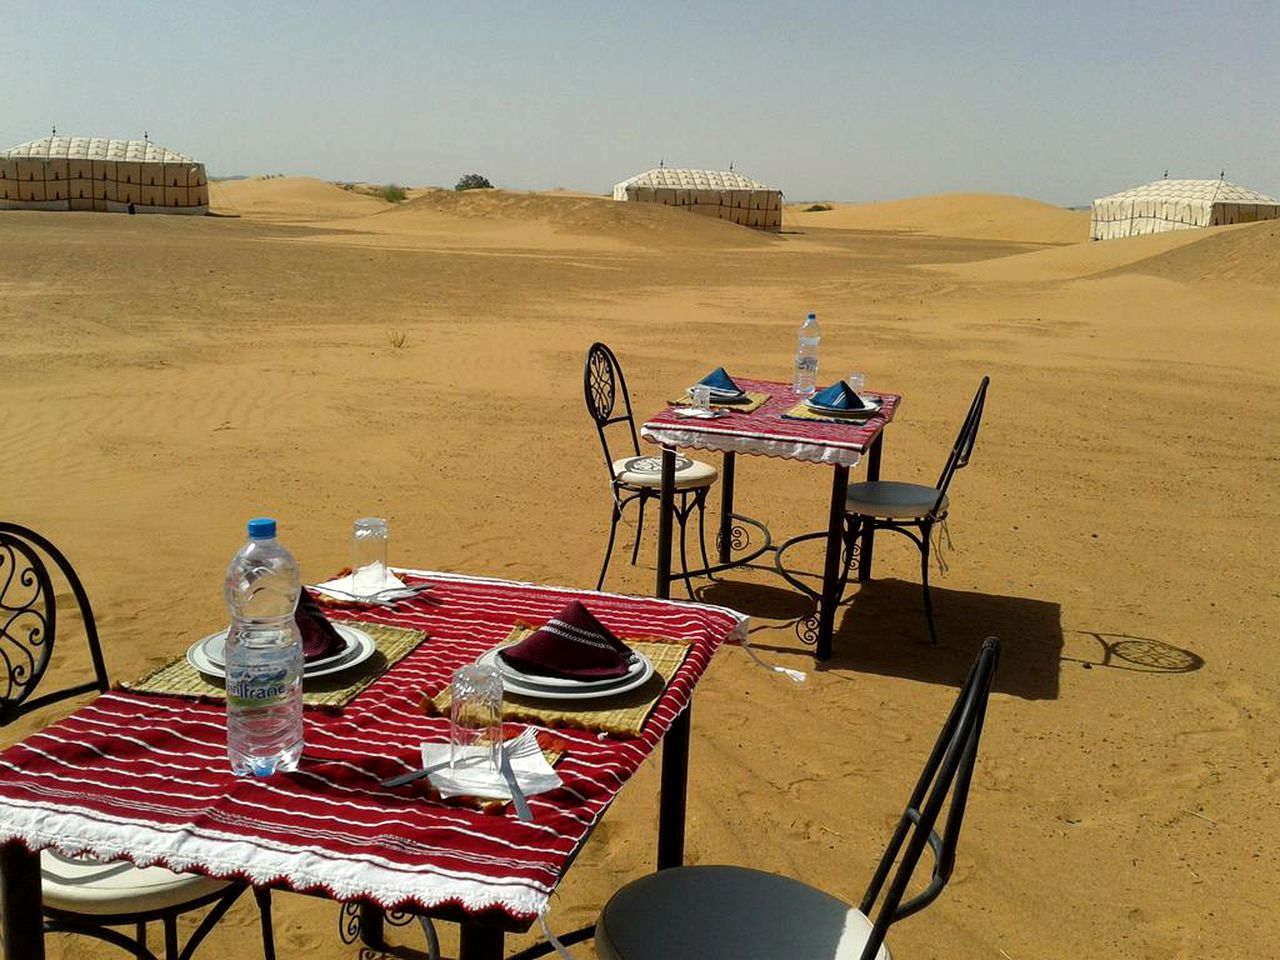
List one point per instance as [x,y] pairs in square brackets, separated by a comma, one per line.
[806,379]
[263,656]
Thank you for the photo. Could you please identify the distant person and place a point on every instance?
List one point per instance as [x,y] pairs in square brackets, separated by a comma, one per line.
[132,211]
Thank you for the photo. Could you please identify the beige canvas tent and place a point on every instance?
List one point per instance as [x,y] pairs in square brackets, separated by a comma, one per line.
[725,195]
[80,173]
[1177,205]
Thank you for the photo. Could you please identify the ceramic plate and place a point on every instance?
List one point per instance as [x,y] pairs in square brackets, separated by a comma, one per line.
[359,648]
[558,688]
[872,406]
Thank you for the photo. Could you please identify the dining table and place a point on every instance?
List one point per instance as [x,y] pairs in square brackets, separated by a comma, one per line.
[140,773]
[776,423]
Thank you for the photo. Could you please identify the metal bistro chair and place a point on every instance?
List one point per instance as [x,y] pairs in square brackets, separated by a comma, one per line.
[911,509]
[705,912]
[84,895]
[637,477]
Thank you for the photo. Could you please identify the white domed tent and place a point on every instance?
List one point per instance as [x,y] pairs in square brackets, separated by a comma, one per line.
[725,195]
[1177,205]
[80,173]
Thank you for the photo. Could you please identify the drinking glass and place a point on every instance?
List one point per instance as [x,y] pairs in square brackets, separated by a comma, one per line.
[475,723]
[701,394]
[368,556]
[856,381]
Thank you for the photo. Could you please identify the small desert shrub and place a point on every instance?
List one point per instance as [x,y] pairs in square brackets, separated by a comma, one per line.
[474,181]
[391,193]
[817,207]
[397,338]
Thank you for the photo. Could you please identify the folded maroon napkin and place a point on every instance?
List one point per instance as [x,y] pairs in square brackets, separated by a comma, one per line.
[573,645]
[319,639]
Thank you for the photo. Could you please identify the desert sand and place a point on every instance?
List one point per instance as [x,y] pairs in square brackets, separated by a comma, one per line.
[319,355]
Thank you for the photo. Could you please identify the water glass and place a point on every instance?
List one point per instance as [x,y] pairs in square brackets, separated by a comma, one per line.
[856,381]
[475,723]
[369,556]
[701,394]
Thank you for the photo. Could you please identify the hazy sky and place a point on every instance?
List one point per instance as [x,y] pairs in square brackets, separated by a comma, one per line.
[1061,101]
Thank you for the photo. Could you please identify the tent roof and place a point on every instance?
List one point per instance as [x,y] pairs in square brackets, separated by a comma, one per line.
[1212,190]
[94,148]
[694,179]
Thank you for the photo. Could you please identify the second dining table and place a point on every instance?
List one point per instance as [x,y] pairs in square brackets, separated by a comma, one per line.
[141,772]
[776,427]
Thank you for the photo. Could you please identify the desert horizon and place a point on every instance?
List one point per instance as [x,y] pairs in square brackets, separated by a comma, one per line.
[317,354]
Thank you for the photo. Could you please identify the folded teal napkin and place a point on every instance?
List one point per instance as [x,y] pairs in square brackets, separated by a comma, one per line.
[721,383]
[838,396]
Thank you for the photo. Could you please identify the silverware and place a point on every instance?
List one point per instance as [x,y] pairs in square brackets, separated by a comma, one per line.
[415,774]
[517,795]
[382,597]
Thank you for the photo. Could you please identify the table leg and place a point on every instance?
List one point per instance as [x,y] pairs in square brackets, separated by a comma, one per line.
[867,545]
[371,926]
[726,508]
[478,941]
[674,791]
[21,904]
[666,512]
[831,586]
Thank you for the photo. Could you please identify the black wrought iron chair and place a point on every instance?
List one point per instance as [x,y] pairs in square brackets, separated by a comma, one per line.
[692,913]
[637,477]
[84,895]
[911,509]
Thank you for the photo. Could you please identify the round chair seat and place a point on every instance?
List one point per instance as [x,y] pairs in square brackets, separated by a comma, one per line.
[701,913]
[893,500]
[647,472]
[90,886]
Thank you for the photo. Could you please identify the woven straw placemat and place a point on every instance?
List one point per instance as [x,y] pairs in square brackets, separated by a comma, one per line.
[802,412]
[754,402]
[623,715]
[180,679]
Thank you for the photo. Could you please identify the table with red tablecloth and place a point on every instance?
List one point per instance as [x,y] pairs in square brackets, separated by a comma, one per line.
[772,430]
[145,777]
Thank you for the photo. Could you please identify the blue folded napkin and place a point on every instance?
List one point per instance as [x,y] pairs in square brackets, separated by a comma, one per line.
[838,396]
[720,382]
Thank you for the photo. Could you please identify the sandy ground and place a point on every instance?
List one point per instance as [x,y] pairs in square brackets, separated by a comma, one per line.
[324,356]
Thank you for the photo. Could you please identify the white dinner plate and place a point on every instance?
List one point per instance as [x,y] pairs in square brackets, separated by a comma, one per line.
[559,688]
[360,647]
[872,406]
[215,649]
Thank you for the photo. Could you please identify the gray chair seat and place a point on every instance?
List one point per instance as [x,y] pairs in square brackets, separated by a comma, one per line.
[647,472]
[708,912]
[893,500]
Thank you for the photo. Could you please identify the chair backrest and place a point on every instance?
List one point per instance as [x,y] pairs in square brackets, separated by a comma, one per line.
[946,775]
[608,401]
[962,449]
[29,621]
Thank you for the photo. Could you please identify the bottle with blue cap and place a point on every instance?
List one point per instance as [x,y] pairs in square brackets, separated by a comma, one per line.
[263,656]
[806,377]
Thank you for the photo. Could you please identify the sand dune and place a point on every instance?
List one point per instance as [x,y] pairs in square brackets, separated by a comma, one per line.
[980,216]
[1241,252]
[289,199]
[327,356]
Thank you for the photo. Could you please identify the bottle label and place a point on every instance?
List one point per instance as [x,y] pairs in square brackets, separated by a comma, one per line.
[248,687]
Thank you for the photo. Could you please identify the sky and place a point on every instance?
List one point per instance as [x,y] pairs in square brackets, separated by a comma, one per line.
[847,101]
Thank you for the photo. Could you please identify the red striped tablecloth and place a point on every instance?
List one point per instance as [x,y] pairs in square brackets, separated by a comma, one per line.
[146,778]
[767,432]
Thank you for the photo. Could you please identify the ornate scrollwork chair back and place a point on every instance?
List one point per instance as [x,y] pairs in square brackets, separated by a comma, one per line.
[84,895]
[636,477]
[29,622]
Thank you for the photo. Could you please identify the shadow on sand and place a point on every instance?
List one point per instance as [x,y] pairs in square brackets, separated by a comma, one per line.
[882,630]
